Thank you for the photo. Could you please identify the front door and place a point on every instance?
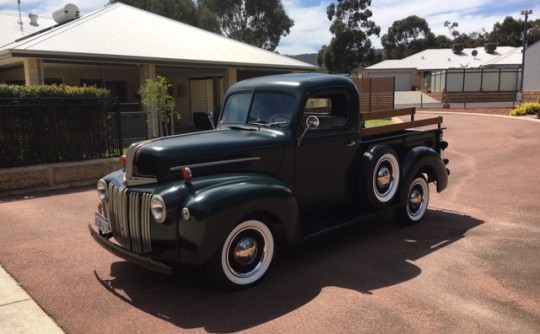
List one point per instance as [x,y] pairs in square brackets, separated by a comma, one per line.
[326,157]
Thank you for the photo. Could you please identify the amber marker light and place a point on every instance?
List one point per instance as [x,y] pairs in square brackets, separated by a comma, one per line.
[186,174]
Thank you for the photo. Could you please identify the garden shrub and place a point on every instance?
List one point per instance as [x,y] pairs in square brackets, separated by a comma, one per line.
[49,124]
[526,109]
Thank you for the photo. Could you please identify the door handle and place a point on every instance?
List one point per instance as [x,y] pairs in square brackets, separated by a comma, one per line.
[351,143]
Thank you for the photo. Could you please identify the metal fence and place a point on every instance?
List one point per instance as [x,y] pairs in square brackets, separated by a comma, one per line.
[476,80]
[50,130]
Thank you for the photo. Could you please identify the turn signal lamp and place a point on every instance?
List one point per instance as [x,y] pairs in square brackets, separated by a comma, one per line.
[186,174]
[123,160]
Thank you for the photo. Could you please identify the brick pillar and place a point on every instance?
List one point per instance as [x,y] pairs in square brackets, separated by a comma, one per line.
[33,72]
[148,72]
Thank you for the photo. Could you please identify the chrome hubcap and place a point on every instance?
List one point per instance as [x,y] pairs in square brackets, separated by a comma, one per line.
[246,251]
[415,200]
[384,177]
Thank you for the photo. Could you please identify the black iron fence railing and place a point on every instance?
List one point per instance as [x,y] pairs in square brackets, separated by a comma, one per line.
[50,130]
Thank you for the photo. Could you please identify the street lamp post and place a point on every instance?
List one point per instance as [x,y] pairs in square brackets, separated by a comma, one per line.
[526,13]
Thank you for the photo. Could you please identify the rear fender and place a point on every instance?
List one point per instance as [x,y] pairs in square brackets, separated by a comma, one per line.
[422,160]
[216,209]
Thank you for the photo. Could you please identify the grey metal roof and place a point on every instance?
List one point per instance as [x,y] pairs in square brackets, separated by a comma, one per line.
[122,33]
[13,26]
[441,59]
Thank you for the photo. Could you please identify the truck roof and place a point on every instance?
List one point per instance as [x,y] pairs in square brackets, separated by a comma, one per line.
[296,82]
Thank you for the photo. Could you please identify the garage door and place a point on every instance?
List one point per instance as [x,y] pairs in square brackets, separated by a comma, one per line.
[403,80]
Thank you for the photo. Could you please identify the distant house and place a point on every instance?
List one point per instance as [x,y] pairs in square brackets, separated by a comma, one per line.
[423,70]
[531,81]
[120,47]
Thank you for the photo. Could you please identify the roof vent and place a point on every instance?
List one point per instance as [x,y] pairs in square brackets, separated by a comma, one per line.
[474,53]
[68,13]
[457,48]
[490,47]
[33,20]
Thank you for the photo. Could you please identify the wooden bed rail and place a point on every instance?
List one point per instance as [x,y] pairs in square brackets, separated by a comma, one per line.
[398,126]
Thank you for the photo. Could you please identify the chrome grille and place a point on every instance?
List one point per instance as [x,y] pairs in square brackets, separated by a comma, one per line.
[129,213]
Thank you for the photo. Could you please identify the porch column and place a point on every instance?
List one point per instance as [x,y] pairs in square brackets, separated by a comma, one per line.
[230,78]
[33,72]
[148,72]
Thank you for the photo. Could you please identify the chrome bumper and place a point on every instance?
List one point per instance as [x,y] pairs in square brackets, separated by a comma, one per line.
[141,260]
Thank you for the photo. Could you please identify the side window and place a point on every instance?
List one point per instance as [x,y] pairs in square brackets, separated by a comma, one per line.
[332,109]
[318,106]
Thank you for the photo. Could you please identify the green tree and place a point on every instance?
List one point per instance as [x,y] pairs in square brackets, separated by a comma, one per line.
[473,39]
[351,28]
[160,104]
[510,32]
[261,23]
[407,37]
[440,42]
[179,10]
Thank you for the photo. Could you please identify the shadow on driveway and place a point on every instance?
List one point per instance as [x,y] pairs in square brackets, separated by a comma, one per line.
[363,258]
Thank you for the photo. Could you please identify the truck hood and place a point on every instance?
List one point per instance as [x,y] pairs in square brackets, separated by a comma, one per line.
[227,150]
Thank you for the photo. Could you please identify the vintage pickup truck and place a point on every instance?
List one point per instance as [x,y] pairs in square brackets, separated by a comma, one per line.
[289,159]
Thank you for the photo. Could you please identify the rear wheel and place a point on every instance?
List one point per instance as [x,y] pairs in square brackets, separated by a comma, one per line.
[417,202]
[245,256]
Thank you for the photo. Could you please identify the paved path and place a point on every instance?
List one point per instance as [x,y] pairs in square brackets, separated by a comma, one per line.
[470,266]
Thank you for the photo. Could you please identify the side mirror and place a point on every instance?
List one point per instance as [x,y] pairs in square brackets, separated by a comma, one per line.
[312,122]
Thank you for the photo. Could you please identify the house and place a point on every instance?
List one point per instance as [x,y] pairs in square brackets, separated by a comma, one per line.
[424,70]
[531,81]
[120,47]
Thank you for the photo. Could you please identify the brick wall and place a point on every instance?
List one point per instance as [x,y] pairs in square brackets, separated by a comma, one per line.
[54,176]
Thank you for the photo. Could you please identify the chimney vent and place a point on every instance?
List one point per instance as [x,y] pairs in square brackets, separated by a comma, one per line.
[457,48]
[33,20]
[490,48]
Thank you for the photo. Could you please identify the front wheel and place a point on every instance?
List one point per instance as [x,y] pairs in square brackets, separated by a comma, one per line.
[245,256]
[417,202]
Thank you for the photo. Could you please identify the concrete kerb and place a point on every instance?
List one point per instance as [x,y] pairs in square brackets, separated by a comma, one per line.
[527,118]
[19,313]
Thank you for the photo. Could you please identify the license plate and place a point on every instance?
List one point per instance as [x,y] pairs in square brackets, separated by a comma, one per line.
[103,223]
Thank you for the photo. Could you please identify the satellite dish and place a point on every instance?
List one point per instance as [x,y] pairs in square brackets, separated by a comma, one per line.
[474,53]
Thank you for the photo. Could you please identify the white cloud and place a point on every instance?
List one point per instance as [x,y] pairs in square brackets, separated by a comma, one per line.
[310,30]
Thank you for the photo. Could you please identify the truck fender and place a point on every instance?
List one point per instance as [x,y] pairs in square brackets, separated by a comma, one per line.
[426,160]
[217,209]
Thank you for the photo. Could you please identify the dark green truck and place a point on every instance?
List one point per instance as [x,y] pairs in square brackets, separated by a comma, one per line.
[290,158]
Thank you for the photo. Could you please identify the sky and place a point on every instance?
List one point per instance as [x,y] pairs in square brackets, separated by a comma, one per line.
[310,31]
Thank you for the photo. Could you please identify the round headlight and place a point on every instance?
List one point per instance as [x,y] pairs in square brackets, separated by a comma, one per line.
[102,189]
[159,211]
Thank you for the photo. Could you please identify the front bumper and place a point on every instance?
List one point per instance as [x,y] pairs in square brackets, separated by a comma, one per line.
[141,260]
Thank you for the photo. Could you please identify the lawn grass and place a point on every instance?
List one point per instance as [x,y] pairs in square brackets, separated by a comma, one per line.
[379,122]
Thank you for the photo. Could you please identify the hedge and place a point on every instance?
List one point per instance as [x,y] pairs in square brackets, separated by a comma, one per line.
[50,124]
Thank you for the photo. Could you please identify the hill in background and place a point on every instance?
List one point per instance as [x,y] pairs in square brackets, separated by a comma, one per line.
[310,58]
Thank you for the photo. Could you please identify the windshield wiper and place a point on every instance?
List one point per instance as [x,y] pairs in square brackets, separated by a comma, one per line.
[236,127]
[273,124]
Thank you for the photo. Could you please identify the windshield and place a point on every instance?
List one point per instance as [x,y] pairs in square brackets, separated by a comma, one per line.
[270,109]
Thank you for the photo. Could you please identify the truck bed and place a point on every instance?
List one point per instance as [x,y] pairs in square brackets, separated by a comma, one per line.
[398,127]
